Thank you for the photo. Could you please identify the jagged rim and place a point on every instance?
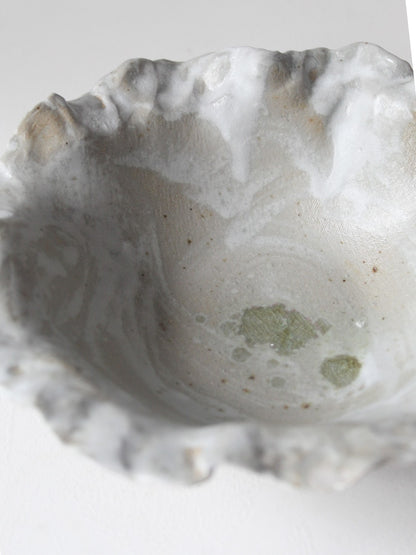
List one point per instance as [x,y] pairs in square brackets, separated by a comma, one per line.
[190,453]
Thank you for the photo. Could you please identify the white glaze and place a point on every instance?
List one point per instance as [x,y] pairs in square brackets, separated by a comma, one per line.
[141,218]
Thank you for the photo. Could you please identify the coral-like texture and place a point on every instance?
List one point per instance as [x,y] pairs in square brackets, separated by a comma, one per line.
[215,260]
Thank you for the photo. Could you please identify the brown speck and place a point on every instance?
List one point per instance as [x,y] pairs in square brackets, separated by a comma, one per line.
[220,410]
[224,260]
[147,253]
[183,267]
[190,384]
[165,215]
[252,377]
[363,261]
[223,380]
[313,74]
[285,407]
[375,269]
[246,390]
[162,326]
[306,405]
[142,275]
[189,241]
[344,280]
[14,370]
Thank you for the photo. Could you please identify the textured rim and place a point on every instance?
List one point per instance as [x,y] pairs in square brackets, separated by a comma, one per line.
[106,423]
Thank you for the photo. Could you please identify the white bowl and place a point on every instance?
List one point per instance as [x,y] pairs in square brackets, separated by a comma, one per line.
[215,261]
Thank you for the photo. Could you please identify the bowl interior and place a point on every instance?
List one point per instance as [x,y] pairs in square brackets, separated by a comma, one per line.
[205,283]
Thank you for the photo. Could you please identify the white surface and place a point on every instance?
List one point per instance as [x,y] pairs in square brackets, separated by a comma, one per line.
[411,17]
[54,501]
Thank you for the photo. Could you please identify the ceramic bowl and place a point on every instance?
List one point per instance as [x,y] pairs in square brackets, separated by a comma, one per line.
[215,260]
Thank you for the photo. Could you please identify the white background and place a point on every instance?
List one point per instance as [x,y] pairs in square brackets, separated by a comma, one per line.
[56,502]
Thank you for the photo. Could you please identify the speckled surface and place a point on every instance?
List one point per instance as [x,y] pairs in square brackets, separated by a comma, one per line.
[160,230]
